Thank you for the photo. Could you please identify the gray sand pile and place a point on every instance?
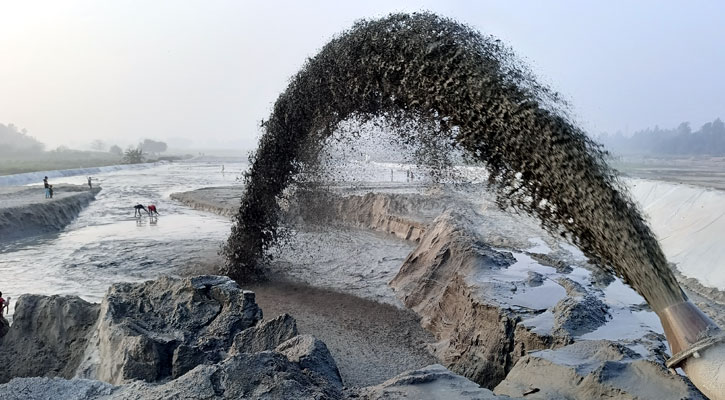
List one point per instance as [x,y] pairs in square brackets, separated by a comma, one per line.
[189,336]
[200,337]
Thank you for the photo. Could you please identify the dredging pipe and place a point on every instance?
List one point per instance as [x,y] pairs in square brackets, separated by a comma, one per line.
[698,347]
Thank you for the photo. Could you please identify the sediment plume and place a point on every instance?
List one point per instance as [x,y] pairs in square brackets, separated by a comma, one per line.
[469,89]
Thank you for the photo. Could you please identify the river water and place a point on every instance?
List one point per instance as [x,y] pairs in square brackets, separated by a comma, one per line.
[106,244]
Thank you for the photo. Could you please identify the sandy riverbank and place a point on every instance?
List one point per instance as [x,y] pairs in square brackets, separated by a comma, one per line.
[24,211]
[218,200]
[496,228]
[340,297]
[501,304]
[206,337]
[502,298]
[370,341]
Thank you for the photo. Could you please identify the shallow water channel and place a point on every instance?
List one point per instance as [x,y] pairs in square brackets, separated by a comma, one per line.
[106,244]
[370,341]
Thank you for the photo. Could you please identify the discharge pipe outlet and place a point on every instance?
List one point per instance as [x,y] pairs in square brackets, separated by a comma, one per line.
[698,347]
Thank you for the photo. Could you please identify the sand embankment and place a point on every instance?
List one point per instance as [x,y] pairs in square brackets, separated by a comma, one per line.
[199,337]
[218,200]
[24,211]
[366,328]
[690,240]
[503,299]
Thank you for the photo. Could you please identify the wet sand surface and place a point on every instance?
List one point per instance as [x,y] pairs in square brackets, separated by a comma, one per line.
[350,260]
[18,196]
[370,341]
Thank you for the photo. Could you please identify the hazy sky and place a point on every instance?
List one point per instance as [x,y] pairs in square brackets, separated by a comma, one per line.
[208,71]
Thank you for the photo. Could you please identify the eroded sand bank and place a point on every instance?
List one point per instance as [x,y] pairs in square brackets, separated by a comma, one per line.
[24,211]
[518,313]
[499,294]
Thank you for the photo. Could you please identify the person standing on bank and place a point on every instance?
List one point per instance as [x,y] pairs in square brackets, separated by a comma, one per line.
[47,188]
[90,186]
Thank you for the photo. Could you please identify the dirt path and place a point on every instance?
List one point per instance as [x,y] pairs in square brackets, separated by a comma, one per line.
[370,341]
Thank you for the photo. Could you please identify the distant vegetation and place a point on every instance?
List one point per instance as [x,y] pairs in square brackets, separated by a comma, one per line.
[152,146]
[115,150]
[133,156]
[708,140]
[20,152]
[139,154]
[60,158]
[17,141]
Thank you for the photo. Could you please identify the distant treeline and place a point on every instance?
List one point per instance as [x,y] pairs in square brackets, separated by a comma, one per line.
[20,152]
[708,140]
[17,141]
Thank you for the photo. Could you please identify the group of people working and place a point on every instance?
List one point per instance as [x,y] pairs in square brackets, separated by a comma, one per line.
[150,210]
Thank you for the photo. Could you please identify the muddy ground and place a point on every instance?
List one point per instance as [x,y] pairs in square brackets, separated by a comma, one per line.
[370,341]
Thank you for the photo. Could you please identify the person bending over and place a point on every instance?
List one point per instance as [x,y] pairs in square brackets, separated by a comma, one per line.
[137,210]
[152,209]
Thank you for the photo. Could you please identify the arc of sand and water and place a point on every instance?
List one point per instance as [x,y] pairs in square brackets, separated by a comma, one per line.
[469,86]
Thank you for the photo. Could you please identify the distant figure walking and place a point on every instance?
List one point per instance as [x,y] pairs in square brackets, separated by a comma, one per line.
[137,210]
[50,190]
[90,186]
[222,168]
[152,209]
[47,188]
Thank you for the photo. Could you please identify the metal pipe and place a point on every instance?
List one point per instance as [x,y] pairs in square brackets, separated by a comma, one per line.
[698,347]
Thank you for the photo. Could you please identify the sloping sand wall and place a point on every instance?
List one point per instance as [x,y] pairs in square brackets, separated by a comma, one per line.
[26,212]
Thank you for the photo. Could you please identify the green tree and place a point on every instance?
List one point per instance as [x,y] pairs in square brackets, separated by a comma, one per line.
[152,146]
[133,156]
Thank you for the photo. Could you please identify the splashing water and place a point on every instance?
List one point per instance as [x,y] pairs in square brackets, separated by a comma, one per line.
[472,91]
